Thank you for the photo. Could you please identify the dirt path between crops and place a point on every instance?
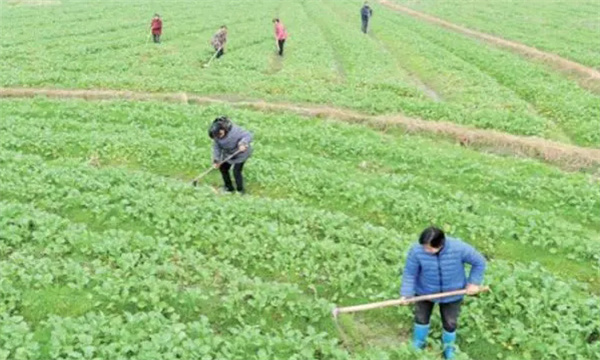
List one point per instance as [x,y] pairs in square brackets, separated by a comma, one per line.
[590,77]
[568,157]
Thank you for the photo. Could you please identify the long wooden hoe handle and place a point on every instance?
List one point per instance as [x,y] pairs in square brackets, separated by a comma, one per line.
[195,181]
[377,305]
[212,57]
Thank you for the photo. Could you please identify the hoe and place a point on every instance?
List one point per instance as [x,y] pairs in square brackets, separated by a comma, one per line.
[211,59]
[412,300]
[197,178]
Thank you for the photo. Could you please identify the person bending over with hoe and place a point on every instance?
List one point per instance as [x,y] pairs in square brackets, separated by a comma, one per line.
[231,147]
[219,40]
[280,35]
[156,28]
[365,13]
[436,265]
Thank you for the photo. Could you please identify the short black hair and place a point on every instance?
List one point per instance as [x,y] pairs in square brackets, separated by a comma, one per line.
[276,20]
[218,124]
[433,237]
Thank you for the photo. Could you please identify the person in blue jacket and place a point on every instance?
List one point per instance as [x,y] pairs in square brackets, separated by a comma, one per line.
[229,138]
[437,264]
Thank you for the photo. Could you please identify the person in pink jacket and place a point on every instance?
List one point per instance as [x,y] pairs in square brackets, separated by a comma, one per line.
[280,35]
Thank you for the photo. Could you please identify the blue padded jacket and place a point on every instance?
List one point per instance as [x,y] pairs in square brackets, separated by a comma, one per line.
[426,273]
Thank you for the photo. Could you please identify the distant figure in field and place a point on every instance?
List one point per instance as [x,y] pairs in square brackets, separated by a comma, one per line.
[156,27]
[437,264]
[280,35]
[230,139]
[219,40]
[365,13]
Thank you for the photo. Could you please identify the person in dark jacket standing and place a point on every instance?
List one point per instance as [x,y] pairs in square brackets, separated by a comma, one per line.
[436,265]
[365,13]
[156,28]
[228,139]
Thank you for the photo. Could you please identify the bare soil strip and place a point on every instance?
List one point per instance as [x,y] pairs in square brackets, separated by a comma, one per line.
[568,157]
[590,77]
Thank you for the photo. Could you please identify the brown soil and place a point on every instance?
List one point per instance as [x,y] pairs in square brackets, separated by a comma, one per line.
[568,157]
[589,77]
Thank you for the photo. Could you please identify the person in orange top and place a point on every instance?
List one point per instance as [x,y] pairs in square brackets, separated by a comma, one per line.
[156,27]
[280,35]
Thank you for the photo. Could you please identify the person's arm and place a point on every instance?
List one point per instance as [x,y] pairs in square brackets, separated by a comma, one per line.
[478,264]
[217,153]
[216,40]
[245,139]
[409,275]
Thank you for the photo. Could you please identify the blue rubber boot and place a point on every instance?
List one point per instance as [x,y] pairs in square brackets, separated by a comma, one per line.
[448,339]
[420,335]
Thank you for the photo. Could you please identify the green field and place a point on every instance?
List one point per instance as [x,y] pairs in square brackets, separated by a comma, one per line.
[108,252]
[404,66]
[98,213]
[567,28]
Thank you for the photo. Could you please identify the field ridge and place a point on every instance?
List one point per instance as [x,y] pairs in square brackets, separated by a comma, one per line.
[568,157]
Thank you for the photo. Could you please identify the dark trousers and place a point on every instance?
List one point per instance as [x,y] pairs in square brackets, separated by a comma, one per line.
[237,174]
[448,311]
[156,38]
[365,24]
[220,53]
[281,42]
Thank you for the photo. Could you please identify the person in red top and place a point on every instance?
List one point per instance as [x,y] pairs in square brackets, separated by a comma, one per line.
[280,35]
[156,27]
